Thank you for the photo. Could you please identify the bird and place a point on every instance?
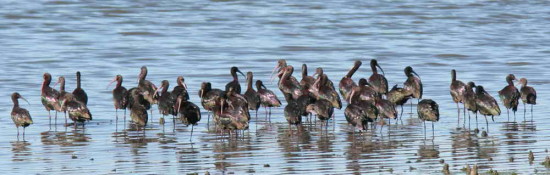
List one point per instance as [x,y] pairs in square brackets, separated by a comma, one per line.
[20,116]
[165,99]
[528,96]
[363,92]
[413,84]
[62,95]
[78,92]
[267,97]
[347,84]
[251,95]
[181,88]
[136,98]
[289,86]
[322,109]
[235,82]
[469,99]
[378,81]
[49,96]
[386,109]
[209,97]
[309,80]
[398,96]
[327,91]
[281,64]
[457,91]
[138,112]
[509,95]
[188,112]
[293,113]
[231,112]
[120,95]
[359,114]
[428,110]
[486,104]
[146,88]
[78,112]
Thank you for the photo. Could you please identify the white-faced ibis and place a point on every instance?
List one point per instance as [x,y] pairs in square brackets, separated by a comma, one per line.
[528,95]
[50,96]
[469,99]
[138,112]
[413,84]
[378,81]
[165,99]
[280,67]
[251,95]
[62,95]
[327,92]
[209,97]
[20,116]
[181,88]
[135,96]
[428,110]
[306,80]
[322,109]
[321,73]
[188,112]
[386,109]
[398,96]
[363,92]
[510,95]
[120,95]
[146,88]
[360,114]
[235,82]
[267,97]
[289,86]
[231,111]
[347,84]
[78,112]
[293,113]
[78,92]
[486,104]
[457,91]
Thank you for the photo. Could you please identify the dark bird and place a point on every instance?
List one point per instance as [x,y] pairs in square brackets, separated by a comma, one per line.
[78,112]
[363,92]
[486,104]
[78,92]
[289,86]
[135,96]
[306,80]
[327,92]
[378,81]
[469,98]
[321,73]
[428,110]
[120,95]
[510,95]
[322,109]
[528,95]
[231,113]
[251,95]
[209,97]
[188,112]
[280,67]
[386,109]
[165,99]
[413,84]
[360,114]
[398,96]
[181,88]
[235,82]
[20,116]
[347,84]
[138,112]
[293,113]
[62,95]
[267,97]
[457,91]
[146,88]
[50,96]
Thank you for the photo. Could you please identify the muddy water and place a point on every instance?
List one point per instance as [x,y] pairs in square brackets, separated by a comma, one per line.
[483,40]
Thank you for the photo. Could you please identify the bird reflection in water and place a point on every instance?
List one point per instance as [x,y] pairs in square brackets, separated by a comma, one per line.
[21,151]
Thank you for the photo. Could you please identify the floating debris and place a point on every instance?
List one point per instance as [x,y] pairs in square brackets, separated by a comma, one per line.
[74,156]
[446,169]
[267,165]
[511,159]
[490,159]
[484,134]
[441,161]
[531,157]
[546,162]
[207,173]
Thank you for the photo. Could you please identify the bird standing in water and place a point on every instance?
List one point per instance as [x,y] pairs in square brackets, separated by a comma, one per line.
[413,84]
[378,81]
[469,99]
[62,95]
[251,95]
[78,112]
[78,92]
[486,104]
[510,96]
[347,84]
[528,95]
[146,88]
[188,112]
[306,80]
[235,82]
[428,110]
[457,91]
[289,86]
[398,96]
[20,116]
[50,96]
[267,97]
[120,95]
[165,101]
[180,89]
[138,112]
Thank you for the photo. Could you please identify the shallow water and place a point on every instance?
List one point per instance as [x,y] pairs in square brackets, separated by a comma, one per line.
[483,40]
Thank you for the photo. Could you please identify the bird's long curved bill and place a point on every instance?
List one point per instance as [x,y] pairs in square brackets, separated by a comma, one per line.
[351,96]
[382,69]
[25,100]
[111,82]
[184,85]
[158,89]
[413,73]
[273,72]
[55,84]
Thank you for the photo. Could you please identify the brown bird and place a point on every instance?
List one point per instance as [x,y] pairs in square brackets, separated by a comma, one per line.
[20,116]
[165,99]
[181,88]
[486,104]
[413,84]
[235,82]
[528,95]
[138,112]
[267,97]
[146,88]
[322,109]
[78,112]
[326,91]
[347,84]
[363,92]
[469,99]
[509,95]
[398,96]
[280,67]
[62,95]
[50,96]
[78,92]
[428,110]
[309,80]
[231,112]
[457,91]
[360,114]
[289,86]
[209,97]
[188,112]
[378,81]
[251,95]
[120,95]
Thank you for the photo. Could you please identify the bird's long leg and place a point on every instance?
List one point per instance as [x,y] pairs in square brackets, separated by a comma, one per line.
[50,116]
[17,132]
[469,119]
[411,106]
[152,114]
[508,113]
[458,112]
[433,131]
[191,132]
[424,130]
[23,132]
[476,121]
[55,122]
[487,121]
[65,113]
[531,112]
[524,111]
